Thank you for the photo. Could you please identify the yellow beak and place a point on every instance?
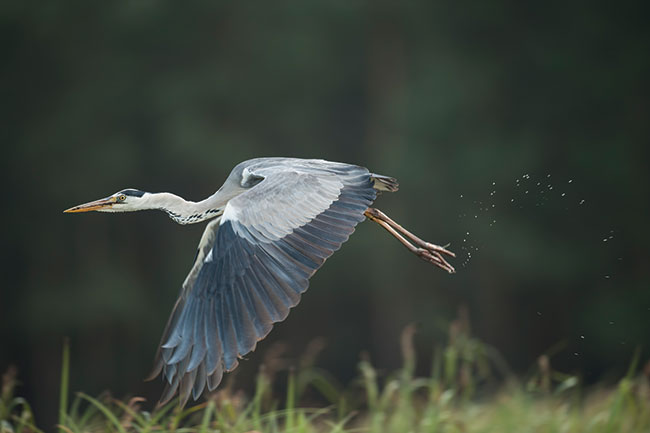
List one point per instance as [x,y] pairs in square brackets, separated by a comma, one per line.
[93,205]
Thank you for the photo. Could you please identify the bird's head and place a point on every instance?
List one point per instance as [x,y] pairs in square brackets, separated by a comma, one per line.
[127,200]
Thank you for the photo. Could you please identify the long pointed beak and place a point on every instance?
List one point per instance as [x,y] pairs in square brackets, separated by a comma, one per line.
[93,205]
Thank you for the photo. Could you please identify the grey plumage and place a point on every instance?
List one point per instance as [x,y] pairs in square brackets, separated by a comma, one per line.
[282,219]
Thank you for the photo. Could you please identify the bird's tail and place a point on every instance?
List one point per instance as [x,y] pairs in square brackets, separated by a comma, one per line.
[384,183]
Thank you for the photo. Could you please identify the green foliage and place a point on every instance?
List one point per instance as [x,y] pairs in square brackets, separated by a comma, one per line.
[446,401]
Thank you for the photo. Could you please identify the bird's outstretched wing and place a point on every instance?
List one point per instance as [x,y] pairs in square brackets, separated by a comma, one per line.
[253,265]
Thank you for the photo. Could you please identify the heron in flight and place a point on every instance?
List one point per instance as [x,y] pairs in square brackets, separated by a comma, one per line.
[273,223]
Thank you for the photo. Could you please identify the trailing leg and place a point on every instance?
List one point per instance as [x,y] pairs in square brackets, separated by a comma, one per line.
[427,251]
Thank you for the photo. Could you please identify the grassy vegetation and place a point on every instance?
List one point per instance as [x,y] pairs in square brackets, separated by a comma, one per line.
[468,390]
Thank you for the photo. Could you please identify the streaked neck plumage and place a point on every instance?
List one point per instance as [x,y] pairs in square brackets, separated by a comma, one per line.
[183,211]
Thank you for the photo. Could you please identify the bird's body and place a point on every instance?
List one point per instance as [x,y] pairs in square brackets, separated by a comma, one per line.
[273,223]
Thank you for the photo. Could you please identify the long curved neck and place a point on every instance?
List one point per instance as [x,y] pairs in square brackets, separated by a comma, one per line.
[183,211]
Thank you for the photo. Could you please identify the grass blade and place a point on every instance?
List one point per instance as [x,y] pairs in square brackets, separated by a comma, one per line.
[206,417]
[106,411]
[65,379]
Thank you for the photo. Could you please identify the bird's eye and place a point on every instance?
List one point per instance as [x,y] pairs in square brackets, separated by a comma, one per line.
[122,197]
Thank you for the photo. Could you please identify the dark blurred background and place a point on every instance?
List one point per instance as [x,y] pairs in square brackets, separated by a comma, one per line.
[518,132]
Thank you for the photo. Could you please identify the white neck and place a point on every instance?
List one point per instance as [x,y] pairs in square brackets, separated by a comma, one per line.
[183,211]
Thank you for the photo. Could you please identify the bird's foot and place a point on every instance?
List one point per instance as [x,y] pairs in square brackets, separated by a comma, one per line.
[427,251]
[433,254]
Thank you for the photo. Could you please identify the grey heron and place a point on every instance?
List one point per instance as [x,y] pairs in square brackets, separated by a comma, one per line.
[273,223]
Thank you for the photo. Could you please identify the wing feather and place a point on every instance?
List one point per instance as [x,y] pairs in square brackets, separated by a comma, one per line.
[254,264]
[214,355]
[227,334]
[199,381]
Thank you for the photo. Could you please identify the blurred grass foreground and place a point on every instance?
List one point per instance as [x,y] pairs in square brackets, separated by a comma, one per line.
[468,389]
